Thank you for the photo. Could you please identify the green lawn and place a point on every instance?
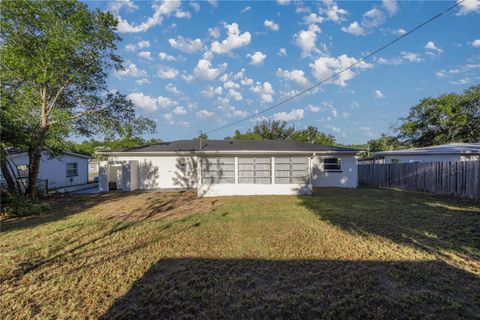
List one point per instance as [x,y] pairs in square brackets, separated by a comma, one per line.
[364,253]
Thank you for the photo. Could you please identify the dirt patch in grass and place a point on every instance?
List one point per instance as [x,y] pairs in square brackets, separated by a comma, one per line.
[156,205]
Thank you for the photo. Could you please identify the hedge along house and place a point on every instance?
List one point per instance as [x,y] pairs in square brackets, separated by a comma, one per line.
[226,168]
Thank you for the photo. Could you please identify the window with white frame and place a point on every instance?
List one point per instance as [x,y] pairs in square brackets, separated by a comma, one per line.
[72,169]
[332,164]
[291,170]
[218,170]
[257,170]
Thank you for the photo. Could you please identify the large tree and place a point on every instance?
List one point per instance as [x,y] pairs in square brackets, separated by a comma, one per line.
[266,130]
[55,56]
[312,135]
[444,119]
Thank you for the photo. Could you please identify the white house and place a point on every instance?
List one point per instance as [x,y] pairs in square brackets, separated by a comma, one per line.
[440,153]
[225,167]
[67,169]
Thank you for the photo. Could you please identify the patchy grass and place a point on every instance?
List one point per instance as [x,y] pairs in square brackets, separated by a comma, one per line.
[365,253]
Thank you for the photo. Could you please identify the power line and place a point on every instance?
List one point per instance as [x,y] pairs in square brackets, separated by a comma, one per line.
[338,72]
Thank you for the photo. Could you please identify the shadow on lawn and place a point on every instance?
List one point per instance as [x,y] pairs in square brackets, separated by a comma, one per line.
[63,205]
[432,223]
[298,289]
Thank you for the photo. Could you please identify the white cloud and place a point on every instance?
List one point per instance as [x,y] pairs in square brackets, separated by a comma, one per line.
[368,131]
[143,44]
[164,102]
[214,32]
[186,45]
[166,72]
[354,28]
[283,2]
[313,108]
[166,57]
[143,101]
[264,91]
[324,67]
[130,47]
[257,58]
[432,47]
[333,12]
[468,6]
[294,75]
[440,73]
[373,18]
[131,70]
[210,91]
[306,40]
[399,32]
[313,18]
[246,9]
[405,56]
[116,6]
[195,6]
[145,54]
[206,115]
[231,85]
[234,40]
[476,43]
[213,3]
[294,114]
[160,9]
[461,81]
[179,110]
[204,70]
[378,94]
[235,94]
[336,129]
[173,89]
[271,25]
[390,6]
[142,81]
[282,52]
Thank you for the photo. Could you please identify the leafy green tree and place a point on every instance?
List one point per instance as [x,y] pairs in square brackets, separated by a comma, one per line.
[312,135]
[55,57]
[201,136]
[444,119]
[274,130]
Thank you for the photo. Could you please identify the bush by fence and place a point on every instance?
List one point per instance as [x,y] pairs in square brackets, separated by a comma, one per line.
[458,178]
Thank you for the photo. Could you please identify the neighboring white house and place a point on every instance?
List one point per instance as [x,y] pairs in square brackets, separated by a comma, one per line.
[67,169]
[440,153]
[225,167]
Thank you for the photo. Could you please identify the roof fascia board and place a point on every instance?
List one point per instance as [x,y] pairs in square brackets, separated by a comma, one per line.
[159,153]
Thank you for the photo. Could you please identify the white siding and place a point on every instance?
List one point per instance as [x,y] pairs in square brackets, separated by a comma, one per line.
[346,178]
[55,169]
[156,172]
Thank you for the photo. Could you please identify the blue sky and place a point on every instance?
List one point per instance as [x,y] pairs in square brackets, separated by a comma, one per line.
[199,65]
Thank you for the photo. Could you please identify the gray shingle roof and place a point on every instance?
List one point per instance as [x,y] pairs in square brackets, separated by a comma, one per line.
[235,145]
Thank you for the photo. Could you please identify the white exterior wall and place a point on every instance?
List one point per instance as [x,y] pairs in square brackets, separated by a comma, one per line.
[346,178]
[155,172]
[227,189]
[423,158]
[55,169]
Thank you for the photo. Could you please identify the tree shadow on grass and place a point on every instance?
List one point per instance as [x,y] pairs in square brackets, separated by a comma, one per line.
[62,206]
[433,223]
[299,289]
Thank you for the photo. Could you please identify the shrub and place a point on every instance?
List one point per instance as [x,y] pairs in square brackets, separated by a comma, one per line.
[20,206]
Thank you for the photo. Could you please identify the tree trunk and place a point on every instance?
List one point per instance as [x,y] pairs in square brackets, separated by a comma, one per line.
[34,163]
[11,186]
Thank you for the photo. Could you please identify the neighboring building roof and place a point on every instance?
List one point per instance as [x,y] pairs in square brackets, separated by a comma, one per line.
[15,152]
[451,148]
[234,146]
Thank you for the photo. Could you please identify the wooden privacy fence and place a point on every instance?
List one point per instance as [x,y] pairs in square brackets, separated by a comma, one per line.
[458,178]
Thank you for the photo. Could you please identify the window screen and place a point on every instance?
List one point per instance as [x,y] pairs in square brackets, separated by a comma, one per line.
[291,170]
[256,170]
[332,164]
[218,170]
[72,169]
